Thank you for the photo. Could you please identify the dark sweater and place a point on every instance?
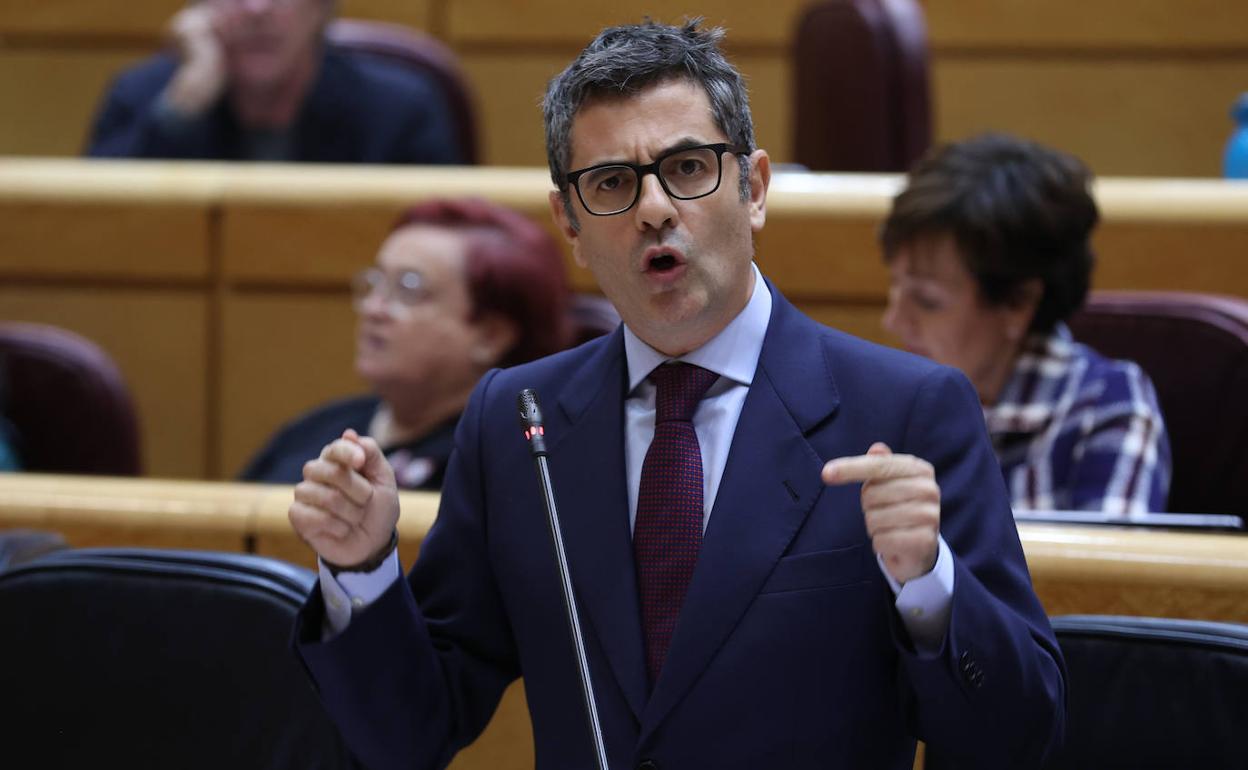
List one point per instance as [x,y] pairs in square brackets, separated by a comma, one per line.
[418,464]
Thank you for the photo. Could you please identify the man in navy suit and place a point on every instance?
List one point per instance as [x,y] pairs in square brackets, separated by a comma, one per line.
[256,80]
[820,624]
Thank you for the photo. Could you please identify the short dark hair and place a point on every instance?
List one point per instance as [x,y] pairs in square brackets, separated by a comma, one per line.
[1017,211]
[514,268]
[622,61]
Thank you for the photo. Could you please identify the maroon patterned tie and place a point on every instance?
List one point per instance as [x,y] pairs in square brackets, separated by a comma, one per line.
[668,531]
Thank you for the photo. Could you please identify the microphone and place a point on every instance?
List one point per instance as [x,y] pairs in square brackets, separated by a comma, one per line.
[531,421]
[535,434]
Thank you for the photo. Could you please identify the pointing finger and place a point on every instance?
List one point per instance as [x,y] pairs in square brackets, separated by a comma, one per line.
[874,467]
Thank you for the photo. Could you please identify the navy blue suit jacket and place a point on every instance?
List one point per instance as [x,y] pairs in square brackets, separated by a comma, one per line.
[788,652]
[360,110]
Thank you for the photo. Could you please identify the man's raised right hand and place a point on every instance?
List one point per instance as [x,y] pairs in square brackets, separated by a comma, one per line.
[347,505]
[201,74]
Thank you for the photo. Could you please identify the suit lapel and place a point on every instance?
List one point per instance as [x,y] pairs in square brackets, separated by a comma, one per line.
[586,465]
[770,483]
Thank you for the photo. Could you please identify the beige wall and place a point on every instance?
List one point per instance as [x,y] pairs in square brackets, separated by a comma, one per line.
[1141,88]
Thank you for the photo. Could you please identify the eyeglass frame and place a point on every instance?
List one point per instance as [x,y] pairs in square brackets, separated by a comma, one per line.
[420,294]
[642,169]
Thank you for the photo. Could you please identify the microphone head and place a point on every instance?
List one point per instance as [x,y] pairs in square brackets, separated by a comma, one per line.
[530,411]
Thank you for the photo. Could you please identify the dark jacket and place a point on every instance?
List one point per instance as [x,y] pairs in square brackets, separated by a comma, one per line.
[788,652]
[360,110]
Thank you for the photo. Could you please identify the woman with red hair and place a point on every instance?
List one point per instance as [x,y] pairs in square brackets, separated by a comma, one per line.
[459,287]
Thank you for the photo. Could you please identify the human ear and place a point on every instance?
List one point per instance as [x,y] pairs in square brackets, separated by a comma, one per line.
[760,179]
[571,230]
[496,334]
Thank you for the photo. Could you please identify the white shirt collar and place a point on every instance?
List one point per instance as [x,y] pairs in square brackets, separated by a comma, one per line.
[733,353]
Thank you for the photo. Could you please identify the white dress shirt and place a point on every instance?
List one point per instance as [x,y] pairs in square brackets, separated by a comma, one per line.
[923,603]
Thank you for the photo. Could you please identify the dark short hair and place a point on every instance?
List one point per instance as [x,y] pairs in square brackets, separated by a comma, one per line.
[623,61]
[513,267]
[1016,210]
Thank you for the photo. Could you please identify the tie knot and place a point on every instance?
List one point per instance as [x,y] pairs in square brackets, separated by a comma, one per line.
[680,388]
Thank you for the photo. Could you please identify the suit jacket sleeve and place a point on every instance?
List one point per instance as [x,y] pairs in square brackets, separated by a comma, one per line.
[417,675]
[128,126]
[997,687]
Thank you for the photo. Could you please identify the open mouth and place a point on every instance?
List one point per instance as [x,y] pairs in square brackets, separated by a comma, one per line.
[662,260]
[662,263]
[371,341]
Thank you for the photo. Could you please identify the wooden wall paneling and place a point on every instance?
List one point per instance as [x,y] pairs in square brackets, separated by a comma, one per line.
[51,93]
[769,78]
[548,21]
[294,244]
[822,257]
[1076,597]
[283,353]
[91,18]
[1192,256]
[86,18]
[319,224]
[1116,570]
[1077,23]
[106,220]
[159,339]
[510,84]
[861,319]
[104,240]
[1124,115]
[969,22]
[292,227]
[116,512]
[419,14]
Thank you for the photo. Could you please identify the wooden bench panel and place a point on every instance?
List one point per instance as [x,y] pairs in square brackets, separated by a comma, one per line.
[51,94]
[987,23]
[106,220]
[149,18]
[510,87]
[87,18]
[286,353]
[1067,24]
[552,22]
[1075,569]
[1097,109]
[210,282]
[159,339]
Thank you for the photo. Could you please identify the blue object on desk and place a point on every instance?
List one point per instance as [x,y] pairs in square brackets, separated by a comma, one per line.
[1235,161]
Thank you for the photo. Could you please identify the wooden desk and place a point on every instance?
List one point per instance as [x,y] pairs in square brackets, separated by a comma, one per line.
[1075,569]
[221,290]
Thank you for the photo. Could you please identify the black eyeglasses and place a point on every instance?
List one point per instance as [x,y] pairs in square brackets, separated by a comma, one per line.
[685,174]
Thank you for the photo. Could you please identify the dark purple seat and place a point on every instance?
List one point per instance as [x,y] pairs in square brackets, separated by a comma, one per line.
[422,52]
[861,95]
[68,403]
[1195,349]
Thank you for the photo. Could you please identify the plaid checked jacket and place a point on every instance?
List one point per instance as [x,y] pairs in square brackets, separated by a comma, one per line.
[1077,431]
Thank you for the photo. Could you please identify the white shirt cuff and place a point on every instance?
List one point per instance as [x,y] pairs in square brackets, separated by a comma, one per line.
[925,602]
[353,591]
